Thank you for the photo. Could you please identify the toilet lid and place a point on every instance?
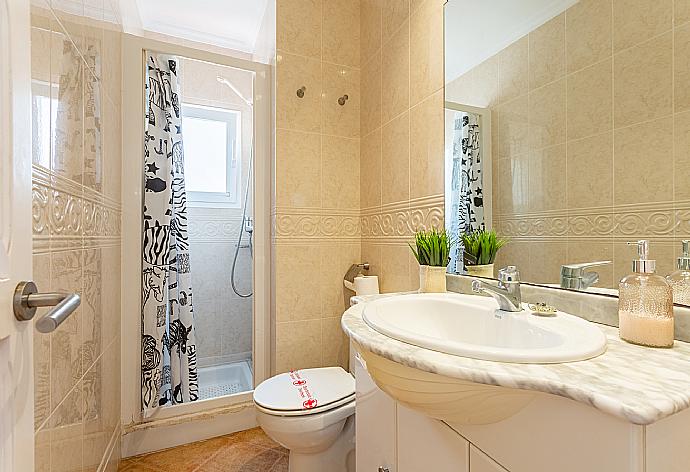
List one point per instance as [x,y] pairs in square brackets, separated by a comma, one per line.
[303,390]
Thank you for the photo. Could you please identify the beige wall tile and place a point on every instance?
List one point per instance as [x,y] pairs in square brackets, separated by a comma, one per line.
[298,345]
[370,169]
[547,52]
[681,156]
[297,283]
[395,75]
[336,344]
[370,28]
[681,12]
[545,261]
[340,120]
[590,100]
[298,27]
[370,107]
[681,68]
[426,51]
[395,160]
[643,82]
[298,169]
[635,21]
[547,179]
[395,12]
[426,147]
[395,272]
[513,75]
[515,253]
[547,115]
[340,168]
[292,112]
[485,87]
[590,171]
[336,259]
[589,33]
[643,163]
[371,254]
[513,189]
[513,127]
[341,34]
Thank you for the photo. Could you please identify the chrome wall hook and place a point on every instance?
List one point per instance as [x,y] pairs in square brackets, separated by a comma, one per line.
[300,91]
[343,99]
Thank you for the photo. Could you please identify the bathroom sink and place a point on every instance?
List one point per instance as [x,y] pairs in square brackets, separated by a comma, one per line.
[473,326]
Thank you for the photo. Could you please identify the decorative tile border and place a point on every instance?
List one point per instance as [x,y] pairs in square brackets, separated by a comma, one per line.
[658,220]
[401,220]
[67,215]
[313,224]
[203,228]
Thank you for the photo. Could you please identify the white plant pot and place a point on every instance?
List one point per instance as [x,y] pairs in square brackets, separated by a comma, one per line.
[432,279]
[485,270]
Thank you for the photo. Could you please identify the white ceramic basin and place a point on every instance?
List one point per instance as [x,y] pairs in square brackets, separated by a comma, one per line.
[473,326]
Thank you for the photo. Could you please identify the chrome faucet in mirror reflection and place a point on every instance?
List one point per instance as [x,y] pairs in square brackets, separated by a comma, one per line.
[576,276]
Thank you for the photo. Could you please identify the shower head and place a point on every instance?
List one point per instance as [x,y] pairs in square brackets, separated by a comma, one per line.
[229,84]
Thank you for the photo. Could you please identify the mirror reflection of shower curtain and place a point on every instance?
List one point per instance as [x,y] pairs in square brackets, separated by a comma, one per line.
[466,202]
[168,353]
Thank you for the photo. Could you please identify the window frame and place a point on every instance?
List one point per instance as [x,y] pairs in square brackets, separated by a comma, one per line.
[233,119]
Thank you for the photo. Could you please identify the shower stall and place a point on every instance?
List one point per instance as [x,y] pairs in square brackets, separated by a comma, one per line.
[225,134]
[217,125]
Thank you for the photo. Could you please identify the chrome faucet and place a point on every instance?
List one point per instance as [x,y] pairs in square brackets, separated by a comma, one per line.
[507,293]
[574,277]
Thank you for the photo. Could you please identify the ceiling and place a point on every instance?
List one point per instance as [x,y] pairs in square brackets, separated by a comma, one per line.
[232,24]
[475,30]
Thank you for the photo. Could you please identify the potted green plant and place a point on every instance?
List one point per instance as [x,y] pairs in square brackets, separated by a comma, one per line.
[480,249]
[432,251]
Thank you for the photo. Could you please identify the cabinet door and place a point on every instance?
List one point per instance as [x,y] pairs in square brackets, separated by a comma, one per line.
[375,424]
[480,462]
[428,444]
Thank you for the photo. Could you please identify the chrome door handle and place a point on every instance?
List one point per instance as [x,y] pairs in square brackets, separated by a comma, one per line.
[27,299]
[384,469]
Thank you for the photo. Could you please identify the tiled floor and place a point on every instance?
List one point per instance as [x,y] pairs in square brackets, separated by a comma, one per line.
[247,451]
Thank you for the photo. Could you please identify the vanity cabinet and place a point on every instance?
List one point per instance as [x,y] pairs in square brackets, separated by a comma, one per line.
[395,438]
[549,434]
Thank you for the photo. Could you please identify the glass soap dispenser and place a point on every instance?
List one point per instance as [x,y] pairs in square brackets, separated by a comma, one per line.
[680,279]
[645,303]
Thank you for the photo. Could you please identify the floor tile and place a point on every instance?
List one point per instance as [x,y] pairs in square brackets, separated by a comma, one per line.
[245,451]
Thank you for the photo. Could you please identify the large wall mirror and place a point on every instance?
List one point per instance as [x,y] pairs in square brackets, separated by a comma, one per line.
[568,133]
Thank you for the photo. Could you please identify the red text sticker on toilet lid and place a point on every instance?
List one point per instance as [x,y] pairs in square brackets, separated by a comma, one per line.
[309,404]
[309,400]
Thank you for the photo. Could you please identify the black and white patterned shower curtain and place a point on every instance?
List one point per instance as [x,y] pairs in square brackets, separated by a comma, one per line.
[467,197]
[168,350]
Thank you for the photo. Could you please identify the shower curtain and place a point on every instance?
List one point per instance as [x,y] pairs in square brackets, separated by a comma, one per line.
[467,203]
[168,350]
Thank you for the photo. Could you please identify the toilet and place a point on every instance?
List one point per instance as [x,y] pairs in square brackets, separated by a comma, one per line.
[311,412]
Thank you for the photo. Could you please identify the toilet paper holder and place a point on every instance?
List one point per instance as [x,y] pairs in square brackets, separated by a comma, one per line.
[354,271]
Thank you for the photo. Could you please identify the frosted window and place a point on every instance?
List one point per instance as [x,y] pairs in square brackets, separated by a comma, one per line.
[206,154]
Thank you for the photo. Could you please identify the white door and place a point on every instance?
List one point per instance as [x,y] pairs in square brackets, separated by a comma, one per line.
[16,363]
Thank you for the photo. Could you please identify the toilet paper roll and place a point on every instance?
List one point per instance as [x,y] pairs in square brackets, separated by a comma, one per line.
[367,285]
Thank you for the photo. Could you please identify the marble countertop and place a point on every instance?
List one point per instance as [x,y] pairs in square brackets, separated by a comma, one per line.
[640,385]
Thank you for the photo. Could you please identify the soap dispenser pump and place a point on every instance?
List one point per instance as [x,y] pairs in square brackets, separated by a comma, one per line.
[645,303]
[680,279]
